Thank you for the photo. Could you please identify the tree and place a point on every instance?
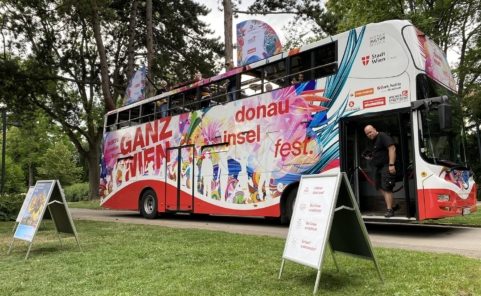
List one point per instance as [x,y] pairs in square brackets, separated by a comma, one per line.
[14,178]
[228,52]
[74,64]
[27,143]
[59,163]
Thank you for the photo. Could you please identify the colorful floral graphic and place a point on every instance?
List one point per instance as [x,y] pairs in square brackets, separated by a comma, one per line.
[244,152]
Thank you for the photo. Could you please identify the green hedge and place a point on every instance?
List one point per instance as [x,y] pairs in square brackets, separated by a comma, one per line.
[77,192]
[10,205]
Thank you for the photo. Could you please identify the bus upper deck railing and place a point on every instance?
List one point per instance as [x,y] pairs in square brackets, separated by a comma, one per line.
[220,94]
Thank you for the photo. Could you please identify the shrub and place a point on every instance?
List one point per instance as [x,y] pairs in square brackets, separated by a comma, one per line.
[76,192]
[10,205]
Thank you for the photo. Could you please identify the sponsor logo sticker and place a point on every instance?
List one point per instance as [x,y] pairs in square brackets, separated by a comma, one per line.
[374,102]
[389,87]
[399,98]
[364,92]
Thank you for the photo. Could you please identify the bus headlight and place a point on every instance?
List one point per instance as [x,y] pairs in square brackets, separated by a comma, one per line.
[443,197]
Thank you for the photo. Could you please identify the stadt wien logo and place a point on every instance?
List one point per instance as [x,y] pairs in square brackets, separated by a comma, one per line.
[365,60]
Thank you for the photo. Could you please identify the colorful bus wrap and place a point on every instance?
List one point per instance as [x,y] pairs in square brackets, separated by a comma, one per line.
[245,156]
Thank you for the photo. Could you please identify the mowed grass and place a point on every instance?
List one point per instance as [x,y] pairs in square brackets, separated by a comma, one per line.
[86,204]
[124,259]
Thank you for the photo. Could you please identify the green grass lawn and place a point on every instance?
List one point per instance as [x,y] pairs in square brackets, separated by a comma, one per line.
[124,259]
[86,204]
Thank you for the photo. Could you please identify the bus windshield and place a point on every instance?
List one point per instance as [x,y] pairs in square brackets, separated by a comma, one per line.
[438,146]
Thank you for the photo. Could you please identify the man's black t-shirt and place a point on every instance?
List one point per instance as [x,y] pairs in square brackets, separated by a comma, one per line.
[380,152]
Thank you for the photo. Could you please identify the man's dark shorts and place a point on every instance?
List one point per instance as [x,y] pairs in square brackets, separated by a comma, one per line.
[384,179]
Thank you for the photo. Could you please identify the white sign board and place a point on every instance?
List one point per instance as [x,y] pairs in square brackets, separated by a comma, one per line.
[310,223]
[325,212]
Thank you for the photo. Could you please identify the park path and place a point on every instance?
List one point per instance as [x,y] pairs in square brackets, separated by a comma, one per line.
[442,239]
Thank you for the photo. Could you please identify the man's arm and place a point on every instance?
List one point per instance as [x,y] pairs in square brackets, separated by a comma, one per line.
[392,158]
[392,154]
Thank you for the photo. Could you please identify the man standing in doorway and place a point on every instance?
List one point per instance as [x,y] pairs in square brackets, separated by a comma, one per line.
[383,159]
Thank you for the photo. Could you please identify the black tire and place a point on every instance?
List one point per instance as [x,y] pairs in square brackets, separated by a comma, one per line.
[288,207]
[148,204]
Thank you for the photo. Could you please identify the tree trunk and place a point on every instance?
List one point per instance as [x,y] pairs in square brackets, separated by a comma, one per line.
[30,175]
[228,30]
[130,46]
[93,157]
[150,89]
[104,71]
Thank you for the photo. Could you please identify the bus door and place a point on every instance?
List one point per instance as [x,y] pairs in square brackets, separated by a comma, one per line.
[355,147]
[180,177]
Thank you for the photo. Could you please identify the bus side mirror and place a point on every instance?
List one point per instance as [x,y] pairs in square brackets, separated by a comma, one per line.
[445,116]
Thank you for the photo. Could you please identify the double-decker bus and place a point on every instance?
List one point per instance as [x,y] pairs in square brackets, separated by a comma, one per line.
[238,143]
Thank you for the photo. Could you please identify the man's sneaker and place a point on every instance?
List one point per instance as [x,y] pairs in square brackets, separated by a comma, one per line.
[389,213]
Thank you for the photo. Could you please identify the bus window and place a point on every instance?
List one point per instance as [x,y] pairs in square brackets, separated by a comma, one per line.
[325,60]
[147,112]
[300,64]
[135,115]
[274,76]
[123,119]
[111,122]
[251,83]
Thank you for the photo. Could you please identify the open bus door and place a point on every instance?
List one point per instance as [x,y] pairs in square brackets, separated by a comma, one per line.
[180,172]
[354,142]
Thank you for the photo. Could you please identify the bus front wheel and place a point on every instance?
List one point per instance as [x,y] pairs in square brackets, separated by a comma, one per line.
[288,207]
[148,204]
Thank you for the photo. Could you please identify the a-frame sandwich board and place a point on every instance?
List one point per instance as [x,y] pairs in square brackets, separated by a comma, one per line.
[47,194]
[326,213]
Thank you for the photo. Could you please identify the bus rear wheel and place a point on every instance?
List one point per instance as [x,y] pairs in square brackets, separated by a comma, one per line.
[288,208]
[148,204]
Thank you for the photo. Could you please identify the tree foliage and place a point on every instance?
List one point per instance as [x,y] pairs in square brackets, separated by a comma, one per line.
[26,144]
[42,150]
[70,59]
[59,163]
[14,177]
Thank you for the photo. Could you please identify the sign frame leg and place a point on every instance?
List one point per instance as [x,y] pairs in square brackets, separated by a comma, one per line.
[11,246]
[333,257]
[282,268]
[318,279]
[28,251]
